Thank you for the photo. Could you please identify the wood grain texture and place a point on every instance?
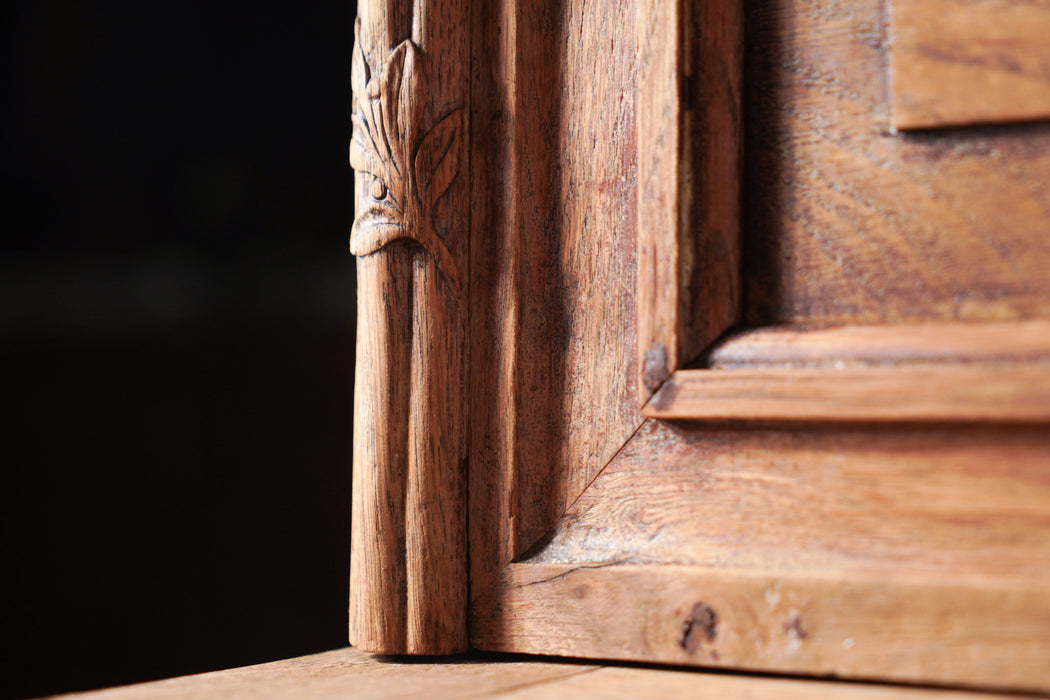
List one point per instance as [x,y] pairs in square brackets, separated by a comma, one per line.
[927,547]
[957,62]
[553,263]
[862,628]
[409,149]
[995,371]
[912,393]
[352,673]
[690,59]
[922,500]
[846,222]
[1002,343]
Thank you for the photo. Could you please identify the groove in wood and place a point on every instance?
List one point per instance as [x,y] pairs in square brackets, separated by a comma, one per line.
[408,552]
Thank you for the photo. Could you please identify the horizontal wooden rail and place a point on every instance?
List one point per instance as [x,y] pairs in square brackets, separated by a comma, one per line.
[926,372]
[854,394]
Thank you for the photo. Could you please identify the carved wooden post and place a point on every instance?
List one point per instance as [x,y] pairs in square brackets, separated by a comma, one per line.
[408,582]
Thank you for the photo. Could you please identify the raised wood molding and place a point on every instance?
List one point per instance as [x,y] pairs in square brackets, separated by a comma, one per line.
[408,556]
[914,393]
[957,63]
[924,372]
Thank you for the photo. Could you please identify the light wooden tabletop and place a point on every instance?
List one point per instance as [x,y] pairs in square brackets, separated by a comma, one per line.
[348,673]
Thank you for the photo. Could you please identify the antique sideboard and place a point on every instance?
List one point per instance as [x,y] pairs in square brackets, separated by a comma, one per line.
[706,333]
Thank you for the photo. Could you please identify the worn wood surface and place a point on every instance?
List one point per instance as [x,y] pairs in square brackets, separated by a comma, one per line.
[601,224]
[935,500]
[927,546]
[870,627]
[933,371]
[408,585]
[553,255]
[845,221]
[690,59]
[913,393]
[958,62]
[351,673]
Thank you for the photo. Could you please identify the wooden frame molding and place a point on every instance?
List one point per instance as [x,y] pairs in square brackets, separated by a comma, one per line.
[993,371]
[689,168]
[409,151]
[549,265]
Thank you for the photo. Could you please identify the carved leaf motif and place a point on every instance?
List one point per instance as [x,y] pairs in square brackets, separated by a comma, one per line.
[437,161]
[410,168]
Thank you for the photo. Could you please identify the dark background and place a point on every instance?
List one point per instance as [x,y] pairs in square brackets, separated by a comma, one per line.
[176,337]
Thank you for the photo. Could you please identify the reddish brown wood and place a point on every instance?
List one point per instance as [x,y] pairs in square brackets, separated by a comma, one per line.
[553,256]
[862,551]
[957,62]
[875,626]
[912,393]
[846,222]
[925,372]
[926,500]
[408,553]
[689,140]
[602,249]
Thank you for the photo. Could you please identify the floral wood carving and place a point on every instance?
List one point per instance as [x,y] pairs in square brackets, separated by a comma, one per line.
[411,168]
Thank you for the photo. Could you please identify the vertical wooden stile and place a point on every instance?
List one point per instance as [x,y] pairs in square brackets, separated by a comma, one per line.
[690,61]
[408,580]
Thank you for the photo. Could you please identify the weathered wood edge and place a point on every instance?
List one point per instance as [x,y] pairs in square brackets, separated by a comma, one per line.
[929,372]
[408,575]
[869,626]
[690,59]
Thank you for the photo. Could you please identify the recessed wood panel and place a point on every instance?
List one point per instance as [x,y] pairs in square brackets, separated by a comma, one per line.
[845,221]
[963,62]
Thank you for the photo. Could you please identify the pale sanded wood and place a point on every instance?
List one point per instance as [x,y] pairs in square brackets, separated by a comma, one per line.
[912,393]
[553,263]
[1009,342]
[348,673]
[845,222]
[408,587]
[351,673]
[689,160]
[958,62]
[631,683]
[871,626]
